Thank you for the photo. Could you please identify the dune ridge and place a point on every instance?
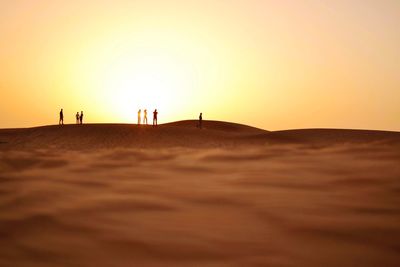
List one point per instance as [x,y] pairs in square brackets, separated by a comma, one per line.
[178,134]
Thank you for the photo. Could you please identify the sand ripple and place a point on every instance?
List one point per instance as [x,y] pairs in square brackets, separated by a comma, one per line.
[279,205]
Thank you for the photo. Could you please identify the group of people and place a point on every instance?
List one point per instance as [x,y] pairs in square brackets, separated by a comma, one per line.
[155,113]
[79,117]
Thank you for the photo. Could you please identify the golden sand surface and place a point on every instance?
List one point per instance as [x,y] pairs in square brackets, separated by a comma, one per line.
[175,195]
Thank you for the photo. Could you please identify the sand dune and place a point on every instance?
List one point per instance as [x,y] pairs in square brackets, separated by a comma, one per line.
[226,195]
[90,136]
[178,134]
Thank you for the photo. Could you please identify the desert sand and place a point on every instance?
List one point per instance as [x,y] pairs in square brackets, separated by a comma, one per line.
[175,195]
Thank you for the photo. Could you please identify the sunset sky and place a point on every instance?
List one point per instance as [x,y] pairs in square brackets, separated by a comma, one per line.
[271,64]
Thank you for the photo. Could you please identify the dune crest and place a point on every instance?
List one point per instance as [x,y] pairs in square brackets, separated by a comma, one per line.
[177,134]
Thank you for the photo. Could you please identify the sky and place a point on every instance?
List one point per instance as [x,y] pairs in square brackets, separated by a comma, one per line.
[270,64]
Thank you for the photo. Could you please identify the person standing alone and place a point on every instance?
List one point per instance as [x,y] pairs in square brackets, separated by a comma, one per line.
[201,120]
[155,113]
[61,121]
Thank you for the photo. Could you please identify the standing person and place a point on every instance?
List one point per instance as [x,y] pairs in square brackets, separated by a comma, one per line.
[81,117]
[138,116]
[201,120]
[77,117]
[61,121]
[155,113]
[145,117]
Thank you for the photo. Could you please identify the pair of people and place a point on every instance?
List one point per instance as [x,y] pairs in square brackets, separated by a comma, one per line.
[144,118]
[155,113]
[79,118]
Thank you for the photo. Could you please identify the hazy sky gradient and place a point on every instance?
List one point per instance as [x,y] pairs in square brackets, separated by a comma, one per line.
[270,64]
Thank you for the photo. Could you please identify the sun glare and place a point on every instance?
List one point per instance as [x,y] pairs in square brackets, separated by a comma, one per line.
[145,82]
[152,69]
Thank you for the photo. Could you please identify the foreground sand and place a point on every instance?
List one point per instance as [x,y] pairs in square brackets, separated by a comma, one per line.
[227,195]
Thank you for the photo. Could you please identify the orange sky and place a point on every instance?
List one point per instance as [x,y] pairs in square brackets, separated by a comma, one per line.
[270,64]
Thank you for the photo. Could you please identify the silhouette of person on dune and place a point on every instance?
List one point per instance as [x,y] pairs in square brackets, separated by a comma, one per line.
[77,117]
[145,117]
[200,120]
[81,117]
[61,121]
[138,116]
[155,113]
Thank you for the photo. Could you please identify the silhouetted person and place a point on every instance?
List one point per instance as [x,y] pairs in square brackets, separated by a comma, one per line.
[145,117]
[81,117]
[138,116]
[77,118]
[61,121]
[201,120]
[155,113]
